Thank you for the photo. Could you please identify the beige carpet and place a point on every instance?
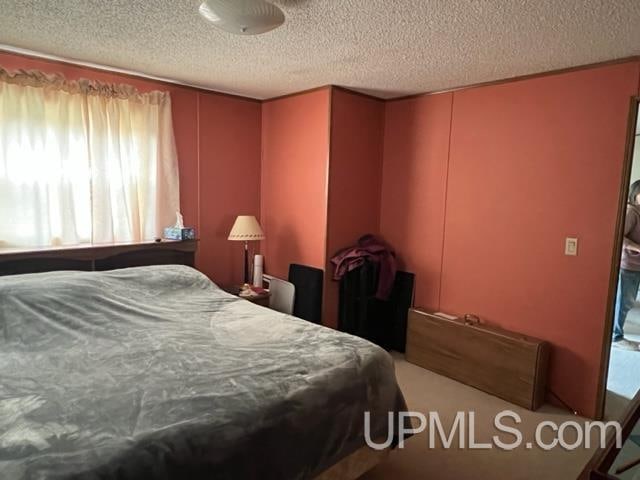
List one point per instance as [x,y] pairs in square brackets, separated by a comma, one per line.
[426,391]
[623,381]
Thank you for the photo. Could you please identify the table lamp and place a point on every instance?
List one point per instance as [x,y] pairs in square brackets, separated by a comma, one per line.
[245,229]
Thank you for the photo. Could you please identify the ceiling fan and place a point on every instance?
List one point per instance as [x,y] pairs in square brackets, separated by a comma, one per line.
[242,17]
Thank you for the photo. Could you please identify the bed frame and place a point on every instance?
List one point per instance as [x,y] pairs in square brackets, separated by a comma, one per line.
[112,256]
[98,257]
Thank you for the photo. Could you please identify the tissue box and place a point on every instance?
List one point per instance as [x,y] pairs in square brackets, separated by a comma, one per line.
[185,233]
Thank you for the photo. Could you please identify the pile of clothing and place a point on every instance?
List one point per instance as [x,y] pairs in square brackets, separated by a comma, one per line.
[368,248]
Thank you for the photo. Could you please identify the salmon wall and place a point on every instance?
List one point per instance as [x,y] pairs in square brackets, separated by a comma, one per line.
[476,189]
[218,143]
[295,162]
[355,177]
[416,153]
[229,145]
[491,180]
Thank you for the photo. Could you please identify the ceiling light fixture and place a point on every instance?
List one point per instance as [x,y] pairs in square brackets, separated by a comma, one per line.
[242,17]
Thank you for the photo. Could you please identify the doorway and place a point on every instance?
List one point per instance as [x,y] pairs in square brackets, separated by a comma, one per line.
[623,361]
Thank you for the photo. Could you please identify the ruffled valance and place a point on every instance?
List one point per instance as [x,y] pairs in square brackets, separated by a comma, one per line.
[82,86]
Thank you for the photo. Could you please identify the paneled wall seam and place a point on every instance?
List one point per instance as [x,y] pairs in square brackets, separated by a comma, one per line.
[328,176]
[381,167]
[444,208]
[327,255]
[198,186]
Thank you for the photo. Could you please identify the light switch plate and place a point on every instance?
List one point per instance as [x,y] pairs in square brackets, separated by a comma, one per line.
[571,246]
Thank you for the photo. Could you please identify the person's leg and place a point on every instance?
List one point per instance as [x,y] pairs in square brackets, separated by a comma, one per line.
[627,291]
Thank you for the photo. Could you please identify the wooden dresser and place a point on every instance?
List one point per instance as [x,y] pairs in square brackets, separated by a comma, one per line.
[505,364]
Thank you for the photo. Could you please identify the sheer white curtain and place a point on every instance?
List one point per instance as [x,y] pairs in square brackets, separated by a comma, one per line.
[83,162]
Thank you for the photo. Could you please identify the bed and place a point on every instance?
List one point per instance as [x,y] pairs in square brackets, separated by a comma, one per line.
[155,372]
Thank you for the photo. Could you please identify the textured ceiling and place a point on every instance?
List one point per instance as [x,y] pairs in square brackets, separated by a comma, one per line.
[384,47]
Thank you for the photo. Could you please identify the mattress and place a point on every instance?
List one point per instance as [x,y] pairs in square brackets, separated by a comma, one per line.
[155,372]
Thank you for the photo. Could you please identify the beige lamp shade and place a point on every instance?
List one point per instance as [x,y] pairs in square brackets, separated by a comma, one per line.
[246,228]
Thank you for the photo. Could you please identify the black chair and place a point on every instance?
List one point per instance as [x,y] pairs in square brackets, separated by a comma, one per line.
[307,303]
[360,313]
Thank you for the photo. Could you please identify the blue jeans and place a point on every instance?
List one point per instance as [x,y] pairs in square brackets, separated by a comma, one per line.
[625,300]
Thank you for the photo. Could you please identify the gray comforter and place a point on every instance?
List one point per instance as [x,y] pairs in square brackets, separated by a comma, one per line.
[155,372]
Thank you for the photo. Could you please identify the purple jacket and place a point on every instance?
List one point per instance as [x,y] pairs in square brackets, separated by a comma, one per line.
[374,249]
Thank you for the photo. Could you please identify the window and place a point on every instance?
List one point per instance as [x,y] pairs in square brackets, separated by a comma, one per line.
[83,162]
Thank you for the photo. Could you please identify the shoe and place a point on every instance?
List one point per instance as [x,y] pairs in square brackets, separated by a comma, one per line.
[625,344]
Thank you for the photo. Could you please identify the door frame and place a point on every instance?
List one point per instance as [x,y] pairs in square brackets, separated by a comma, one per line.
[615,256]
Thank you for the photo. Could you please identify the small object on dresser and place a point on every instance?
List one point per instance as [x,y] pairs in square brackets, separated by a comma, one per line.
[246,291]
[173,233]
[255,295]
[179,231]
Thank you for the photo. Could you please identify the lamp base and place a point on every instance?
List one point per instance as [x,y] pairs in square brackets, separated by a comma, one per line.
[246,263]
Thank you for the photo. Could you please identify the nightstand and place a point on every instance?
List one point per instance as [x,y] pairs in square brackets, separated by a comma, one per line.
[261,299]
